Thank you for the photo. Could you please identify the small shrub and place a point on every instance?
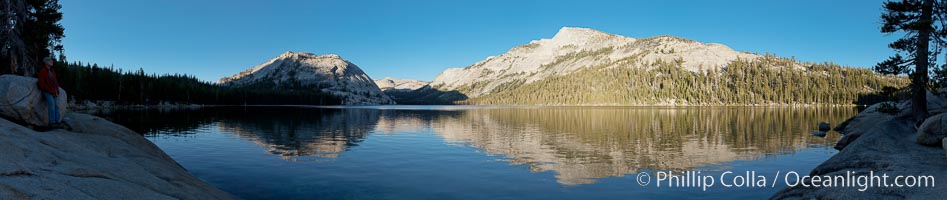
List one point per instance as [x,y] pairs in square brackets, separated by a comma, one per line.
[889,108]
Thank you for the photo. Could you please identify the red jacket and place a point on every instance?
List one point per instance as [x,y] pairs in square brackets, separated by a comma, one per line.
[47,81]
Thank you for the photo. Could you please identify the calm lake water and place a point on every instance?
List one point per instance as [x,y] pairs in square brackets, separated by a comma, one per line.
[464,152]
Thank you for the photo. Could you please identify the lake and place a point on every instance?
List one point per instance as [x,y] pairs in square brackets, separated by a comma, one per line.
[484,152]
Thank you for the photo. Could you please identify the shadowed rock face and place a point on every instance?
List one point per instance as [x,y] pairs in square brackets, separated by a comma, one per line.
[414,92]
[933,130]
[21,100]
[95,160]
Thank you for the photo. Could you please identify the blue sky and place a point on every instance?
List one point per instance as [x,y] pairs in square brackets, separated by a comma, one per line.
[417,39]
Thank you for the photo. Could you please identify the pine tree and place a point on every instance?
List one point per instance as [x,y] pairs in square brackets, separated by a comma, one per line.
[29,31]
[922,21]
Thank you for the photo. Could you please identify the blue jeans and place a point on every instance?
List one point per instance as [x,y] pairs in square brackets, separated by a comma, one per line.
[53,108]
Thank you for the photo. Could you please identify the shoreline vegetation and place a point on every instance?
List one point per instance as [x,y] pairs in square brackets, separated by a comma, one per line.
[97,105]
[112,86]
[98,87]
[768,80]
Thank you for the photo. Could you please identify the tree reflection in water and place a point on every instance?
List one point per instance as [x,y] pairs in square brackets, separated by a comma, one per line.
[579,144]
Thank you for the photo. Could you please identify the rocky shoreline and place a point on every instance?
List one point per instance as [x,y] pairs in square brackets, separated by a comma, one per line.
[91,159]
[883,143]
[95,159]
[102,105]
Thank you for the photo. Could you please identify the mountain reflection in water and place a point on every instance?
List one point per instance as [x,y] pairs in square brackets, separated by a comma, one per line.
[578,144]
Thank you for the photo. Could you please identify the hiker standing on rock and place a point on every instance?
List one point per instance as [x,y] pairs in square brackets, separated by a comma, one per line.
[50,87]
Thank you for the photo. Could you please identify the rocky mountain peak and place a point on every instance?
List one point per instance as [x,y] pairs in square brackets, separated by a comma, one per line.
[328,73]
[577,34]
[574,36]
[302,55]
[400,84]
[572,49]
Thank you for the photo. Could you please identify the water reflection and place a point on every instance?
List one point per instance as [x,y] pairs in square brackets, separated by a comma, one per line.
[578,144]
[296,133]
[583,144]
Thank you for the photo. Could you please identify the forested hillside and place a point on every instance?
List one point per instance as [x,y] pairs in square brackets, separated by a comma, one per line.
[91,82]
[581,66]
[769,80]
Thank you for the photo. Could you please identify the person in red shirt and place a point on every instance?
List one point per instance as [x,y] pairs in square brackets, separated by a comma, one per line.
[49,85]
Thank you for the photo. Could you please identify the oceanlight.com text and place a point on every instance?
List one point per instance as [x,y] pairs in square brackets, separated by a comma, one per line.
[861,181]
